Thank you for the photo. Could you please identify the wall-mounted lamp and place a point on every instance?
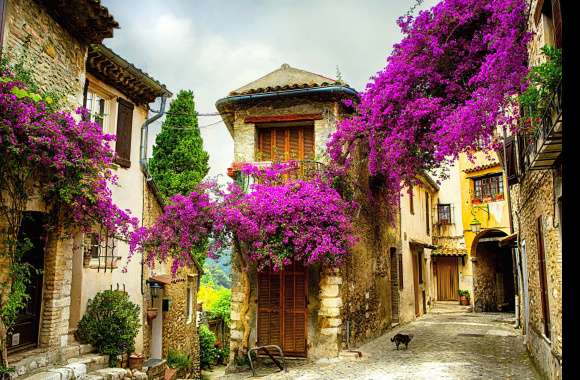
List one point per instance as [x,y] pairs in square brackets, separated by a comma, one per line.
[475,224]
[154,288]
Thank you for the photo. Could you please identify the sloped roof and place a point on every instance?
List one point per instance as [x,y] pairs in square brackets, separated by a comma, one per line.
[286,78]
[114,70]
[87,20]
[449,251]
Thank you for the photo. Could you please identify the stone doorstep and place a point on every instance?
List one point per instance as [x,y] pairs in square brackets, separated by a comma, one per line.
[350,354]
[76,368]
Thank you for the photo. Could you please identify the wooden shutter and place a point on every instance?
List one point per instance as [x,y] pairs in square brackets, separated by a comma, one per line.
[400,256]
[308,143]
[510,161]
[285,143]
[557,18]
[269,326]
[295,311]
[543,278]
[282,309]
[124,133]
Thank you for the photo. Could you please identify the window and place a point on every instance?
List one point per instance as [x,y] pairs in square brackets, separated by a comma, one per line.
[400,255]
[427,218]
[99,251]
[411,205]
[543,279]
[189,306]
[280,144]
[489,187]
[99,107]
[444,213]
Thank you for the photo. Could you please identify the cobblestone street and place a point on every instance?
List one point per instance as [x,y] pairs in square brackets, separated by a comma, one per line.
[448,343]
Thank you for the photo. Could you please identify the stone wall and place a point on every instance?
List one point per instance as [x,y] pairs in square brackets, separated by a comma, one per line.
[535,197]
[179,332]
[490,261]
[57,58]
[244,134]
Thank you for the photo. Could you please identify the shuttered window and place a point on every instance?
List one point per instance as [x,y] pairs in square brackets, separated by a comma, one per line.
[543,279]
[280,144]
[511,160]
[282,309]
[124,133]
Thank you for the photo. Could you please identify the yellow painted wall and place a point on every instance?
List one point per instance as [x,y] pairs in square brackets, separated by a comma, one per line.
[498,217]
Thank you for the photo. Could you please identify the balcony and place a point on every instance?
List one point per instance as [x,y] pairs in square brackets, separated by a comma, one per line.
[543,146]
[305,170]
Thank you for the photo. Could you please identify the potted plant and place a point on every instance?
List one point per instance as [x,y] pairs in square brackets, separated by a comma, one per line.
[152,313]
[476,201]
[136,361]
[499,197]
[463,297]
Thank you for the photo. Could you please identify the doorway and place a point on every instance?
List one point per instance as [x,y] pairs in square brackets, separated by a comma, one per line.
[447,278]
[416,279]
[24,334]
[282,309]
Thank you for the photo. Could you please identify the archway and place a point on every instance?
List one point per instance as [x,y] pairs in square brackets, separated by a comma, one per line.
[493,275]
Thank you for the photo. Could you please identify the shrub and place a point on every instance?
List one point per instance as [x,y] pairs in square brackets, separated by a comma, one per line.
[179,360]
[208,353]
[110,324]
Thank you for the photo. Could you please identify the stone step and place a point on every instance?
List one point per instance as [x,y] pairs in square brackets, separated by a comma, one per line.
[73,368]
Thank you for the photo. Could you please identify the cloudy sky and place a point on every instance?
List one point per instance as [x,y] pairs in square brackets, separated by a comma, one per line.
[215,46]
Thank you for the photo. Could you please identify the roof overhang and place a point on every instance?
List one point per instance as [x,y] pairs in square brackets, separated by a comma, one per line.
[509,241]
[87,20]
[420,243]
[226,106]
[114,70]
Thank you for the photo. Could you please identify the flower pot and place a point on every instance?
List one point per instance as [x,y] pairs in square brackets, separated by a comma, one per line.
[499,197]
[476,201]
[152,313]
[170,374]
[136,361]
[464,301]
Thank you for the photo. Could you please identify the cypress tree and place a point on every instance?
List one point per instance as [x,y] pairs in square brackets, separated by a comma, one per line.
[179,161]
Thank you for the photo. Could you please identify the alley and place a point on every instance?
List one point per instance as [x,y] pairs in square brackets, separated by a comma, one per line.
[448,343]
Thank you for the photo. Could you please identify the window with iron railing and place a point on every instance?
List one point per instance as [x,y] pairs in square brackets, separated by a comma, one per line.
[100,251]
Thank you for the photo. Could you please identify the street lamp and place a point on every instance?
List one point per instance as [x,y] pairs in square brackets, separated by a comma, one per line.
[475,225]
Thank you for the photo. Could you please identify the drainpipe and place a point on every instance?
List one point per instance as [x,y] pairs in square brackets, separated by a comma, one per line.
[144,165]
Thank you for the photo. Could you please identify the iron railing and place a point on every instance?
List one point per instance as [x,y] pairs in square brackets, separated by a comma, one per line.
[543,144]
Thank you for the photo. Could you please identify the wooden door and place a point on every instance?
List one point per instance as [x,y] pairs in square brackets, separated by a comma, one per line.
[447,279]
[24,334]
[282,309]
[416,282]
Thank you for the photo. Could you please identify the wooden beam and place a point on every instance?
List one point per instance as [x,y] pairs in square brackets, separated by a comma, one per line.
[282,118]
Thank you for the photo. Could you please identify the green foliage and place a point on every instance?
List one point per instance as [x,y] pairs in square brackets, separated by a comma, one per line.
[543,80]
[214,273]
[110,324]
[463,293]
[216,301]
[179,360]
[179,161]
[19,273]
[208,353]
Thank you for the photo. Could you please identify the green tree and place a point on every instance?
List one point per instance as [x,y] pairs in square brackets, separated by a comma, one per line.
[179,161]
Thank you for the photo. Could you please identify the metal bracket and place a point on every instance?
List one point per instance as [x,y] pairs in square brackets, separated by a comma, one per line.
[265,348]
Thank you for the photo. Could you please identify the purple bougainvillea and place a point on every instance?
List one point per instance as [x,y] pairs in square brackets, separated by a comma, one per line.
[444,90]
[278,221]
[68,161]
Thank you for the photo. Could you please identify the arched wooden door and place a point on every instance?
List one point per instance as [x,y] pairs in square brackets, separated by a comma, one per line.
[282,309]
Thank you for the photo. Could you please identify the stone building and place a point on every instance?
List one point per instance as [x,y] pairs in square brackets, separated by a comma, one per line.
[411,268]
[170,312]
[534,171]
[63,40]
[312,312]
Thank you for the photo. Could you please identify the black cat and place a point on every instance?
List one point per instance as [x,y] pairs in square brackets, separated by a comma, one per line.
[402,339]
